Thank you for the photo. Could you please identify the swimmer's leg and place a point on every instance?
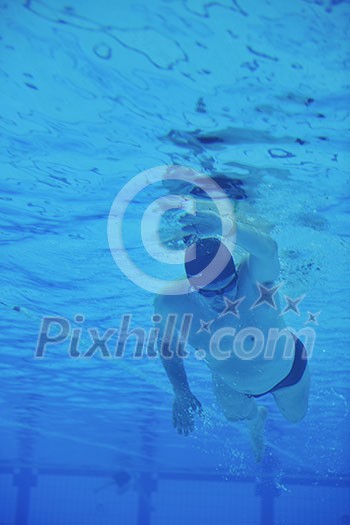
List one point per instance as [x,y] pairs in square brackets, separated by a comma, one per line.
[237,407]
[256,431]
[292,401]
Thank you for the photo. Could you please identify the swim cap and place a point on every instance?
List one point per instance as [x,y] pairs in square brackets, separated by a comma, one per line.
[198,258]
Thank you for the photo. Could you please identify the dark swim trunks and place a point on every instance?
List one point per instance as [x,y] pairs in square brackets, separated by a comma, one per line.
[297,371]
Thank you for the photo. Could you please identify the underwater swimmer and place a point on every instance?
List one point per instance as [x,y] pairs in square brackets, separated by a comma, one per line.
[228,318]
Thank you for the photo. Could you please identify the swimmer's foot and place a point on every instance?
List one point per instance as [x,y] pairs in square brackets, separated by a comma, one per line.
[256,431]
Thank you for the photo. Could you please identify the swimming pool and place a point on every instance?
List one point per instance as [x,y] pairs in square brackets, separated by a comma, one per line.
[93,94]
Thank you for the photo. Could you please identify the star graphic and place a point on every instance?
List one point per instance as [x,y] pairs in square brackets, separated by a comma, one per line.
[292,304]
[231,307]
[313,318]
[205,326]
[266,296]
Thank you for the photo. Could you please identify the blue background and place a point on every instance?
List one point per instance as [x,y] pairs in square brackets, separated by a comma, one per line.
[93,93]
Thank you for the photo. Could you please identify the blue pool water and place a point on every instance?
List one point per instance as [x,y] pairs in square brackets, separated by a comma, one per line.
[92,94]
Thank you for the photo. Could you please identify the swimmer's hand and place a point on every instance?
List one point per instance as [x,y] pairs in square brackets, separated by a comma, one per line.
[185,406]
[204,222]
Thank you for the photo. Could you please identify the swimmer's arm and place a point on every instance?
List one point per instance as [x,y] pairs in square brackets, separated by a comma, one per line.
[185,404]
[176,373]
[263,260]
[171,361]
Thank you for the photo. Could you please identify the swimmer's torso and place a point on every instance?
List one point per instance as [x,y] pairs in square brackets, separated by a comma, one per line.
[235,347]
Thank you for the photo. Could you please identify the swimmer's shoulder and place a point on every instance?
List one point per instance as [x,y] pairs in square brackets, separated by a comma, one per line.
[248,283]
[244,276]
[169,298]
